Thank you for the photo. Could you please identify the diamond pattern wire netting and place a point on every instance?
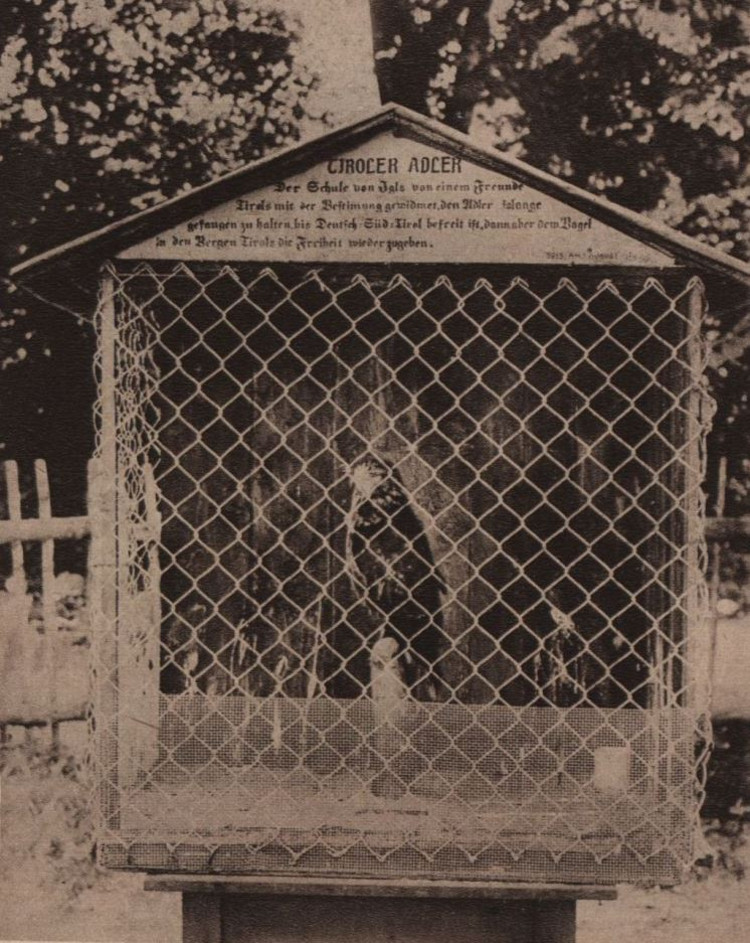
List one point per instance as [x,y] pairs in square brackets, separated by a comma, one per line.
[405,573]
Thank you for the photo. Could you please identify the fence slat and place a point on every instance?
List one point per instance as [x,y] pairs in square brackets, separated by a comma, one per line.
[14,518]
[57,528]
[49,615]
[48,546]
[726,528]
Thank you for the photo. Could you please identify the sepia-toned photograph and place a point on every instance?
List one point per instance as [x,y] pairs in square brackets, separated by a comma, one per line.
[374,471]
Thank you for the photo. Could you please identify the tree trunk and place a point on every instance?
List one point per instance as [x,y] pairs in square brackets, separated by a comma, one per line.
[407,56]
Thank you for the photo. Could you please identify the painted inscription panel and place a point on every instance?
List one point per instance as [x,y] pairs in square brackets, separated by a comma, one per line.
[397,200]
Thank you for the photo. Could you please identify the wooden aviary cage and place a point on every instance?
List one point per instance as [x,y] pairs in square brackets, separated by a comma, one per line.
[399,554]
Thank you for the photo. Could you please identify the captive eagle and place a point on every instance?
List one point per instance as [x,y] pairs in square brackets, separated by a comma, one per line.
[390,560]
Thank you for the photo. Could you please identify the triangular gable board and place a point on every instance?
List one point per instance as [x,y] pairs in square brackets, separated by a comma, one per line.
[394,199]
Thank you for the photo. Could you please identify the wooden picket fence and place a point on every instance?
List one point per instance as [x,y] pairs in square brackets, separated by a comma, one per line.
[43,663]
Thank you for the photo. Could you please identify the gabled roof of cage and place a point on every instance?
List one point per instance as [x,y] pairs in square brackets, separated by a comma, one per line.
[95,247]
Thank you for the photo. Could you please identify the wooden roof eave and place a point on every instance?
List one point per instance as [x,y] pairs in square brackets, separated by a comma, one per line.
[109,240]
[106,242]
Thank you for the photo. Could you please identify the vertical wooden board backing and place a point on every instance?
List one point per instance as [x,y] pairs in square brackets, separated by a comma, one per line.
[380,422]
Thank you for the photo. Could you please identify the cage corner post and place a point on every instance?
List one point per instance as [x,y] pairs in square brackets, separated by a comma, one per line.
[102,497]
[131,508]
[138,642]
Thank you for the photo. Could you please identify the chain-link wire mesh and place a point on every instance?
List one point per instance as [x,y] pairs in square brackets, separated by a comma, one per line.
[407,572]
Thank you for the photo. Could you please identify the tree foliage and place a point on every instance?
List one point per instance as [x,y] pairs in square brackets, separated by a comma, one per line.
[644,102]
[433,55]
[108,107]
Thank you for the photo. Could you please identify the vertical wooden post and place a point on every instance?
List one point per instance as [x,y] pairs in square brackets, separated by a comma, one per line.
[713,596]
[49,614]
[16,547]
[17,572]
[14,514]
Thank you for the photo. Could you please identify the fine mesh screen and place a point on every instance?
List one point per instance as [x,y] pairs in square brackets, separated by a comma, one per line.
[408,572]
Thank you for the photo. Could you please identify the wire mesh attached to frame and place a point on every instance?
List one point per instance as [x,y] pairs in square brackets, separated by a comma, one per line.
[407,572]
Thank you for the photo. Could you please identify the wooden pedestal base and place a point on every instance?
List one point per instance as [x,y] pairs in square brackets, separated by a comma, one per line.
[275,910]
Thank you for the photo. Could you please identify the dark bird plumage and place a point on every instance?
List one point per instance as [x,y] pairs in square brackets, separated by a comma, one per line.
[390,559]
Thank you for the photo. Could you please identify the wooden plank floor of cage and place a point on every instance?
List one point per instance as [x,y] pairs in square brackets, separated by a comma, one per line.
[471,776]
[255,812]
